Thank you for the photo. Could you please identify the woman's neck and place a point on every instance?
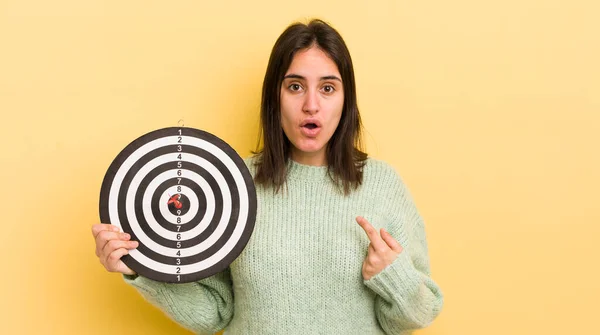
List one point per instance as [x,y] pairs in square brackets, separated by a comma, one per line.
[309,158]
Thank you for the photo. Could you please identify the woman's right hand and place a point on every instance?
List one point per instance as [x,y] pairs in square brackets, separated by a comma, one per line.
[111,245]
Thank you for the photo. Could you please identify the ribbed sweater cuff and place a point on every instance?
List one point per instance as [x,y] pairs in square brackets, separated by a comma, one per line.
[398,278]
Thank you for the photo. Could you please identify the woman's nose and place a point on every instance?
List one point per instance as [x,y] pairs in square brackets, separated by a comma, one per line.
[311,102]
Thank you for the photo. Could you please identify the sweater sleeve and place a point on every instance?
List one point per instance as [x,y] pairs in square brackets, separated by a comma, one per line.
[406,296]
[205,306]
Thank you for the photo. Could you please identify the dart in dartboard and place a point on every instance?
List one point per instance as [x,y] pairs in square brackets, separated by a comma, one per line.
[186,196]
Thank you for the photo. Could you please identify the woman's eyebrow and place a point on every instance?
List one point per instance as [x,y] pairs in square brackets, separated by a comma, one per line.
[331,78]
[293,76]
[297,76]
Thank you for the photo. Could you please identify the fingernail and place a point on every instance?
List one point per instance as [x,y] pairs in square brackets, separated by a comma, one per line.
[114,228]
[126,236]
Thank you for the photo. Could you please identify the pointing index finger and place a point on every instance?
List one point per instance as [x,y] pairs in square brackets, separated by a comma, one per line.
[376,240]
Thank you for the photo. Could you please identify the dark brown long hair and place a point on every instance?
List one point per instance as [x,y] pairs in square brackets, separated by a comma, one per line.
[345,155]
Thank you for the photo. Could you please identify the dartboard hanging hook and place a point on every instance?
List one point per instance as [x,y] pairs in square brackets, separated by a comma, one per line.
[181,123]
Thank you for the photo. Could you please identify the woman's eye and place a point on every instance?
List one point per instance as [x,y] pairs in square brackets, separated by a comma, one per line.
[328,89]
[295,87]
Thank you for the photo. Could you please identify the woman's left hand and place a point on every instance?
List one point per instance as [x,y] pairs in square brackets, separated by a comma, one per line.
[383,249]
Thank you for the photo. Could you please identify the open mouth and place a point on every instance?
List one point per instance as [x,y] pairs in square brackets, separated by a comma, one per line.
[311,127]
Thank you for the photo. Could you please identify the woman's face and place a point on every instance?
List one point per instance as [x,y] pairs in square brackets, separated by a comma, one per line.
[312,99]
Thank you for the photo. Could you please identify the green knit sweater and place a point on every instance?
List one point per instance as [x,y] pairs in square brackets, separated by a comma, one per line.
[300,273]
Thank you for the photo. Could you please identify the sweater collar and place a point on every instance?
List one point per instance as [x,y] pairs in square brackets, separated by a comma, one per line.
[304,172]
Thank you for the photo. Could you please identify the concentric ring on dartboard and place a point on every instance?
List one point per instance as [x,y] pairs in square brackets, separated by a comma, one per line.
[202,171]
[192,199]
[156,241]
[152,200]
[202,182]
[176,202]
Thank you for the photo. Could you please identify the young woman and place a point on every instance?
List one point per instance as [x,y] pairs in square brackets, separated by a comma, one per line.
[338,246]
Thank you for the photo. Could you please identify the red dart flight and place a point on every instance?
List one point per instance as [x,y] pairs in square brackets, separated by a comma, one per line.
[175,200]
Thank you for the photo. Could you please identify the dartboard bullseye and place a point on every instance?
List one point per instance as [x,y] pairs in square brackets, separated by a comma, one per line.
[187,197]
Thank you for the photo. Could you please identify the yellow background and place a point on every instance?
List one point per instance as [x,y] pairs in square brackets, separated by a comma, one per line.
[489,110]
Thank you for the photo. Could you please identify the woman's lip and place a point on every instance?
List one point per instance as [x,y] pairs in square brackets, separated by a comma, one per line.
[309,121]
[310,132]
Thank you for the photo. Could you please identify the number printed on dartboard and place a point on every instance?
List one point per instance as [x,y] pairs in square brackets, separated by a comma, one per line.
[178,236]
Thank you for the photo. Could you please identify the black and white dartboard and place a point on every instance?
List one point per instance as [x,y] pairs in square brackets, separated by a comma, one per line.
[187,197]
